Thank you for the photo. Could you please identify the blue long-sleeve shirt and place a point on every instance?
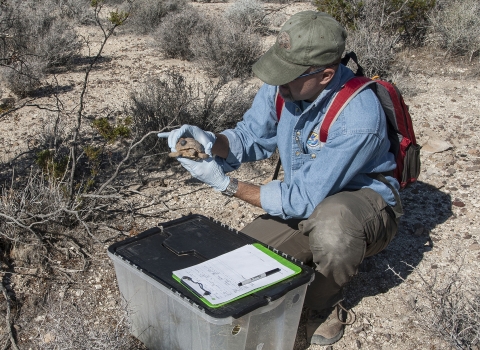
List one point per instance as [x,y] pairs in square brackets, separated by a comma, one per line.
[357,145]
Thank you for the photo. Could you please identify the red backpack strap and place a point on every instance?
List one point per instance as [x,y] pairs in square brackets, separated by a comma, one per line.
[279,103]
[348,91]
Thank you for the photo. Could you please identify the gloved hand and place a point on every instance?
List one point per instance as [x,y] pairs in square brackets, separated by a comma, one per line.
[206,138]
[208,171]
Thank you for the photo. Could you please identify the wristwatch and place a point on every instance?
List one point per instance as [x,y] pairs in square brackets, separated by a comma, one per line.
[231,188]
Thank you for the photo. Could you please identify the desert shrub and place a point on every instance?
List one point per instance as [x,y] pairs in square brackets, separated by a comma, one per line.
[407,19]
[36,38]
[173,36]
[222,105]
[455,27]
[248,14]
[374,49]
[79,11]
[59,43]
[448,306]
[278,19]
[147,15]
[24,77]
[161,102]
[227,50]
[170,101]
[345,12]
[372,36]
[280,1]
[23,208]
[112,133]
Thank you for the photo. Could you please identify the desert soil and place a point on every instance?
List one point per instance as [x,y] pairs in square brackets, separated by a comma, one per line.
[439,233]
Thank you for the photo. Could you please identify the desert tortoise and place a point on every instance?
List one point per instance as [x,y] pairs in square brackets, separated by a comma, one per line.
[189,148]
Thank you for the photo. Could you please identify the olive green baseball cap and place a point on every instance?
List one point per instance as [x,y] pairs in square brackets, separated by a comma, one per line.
[307,39]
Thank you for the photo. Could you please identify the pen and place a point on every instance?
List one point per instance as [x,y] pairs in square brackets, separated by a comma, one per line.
[262,275]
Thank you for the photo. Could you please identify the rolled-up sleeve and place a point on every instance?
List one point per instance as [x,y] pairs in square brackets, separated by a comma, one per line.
[271,198]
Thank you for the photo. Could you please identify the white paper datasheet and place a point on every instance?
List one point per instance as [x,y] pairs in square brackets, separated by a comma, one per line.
[217,279]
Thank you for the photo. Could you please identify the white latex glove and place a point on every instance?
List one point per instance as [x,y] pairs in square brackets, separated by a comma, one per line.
[206,138]
[208,171]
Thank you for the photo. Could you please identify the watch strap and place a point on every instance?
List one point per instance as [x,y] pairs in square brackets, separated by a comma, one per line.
[231,188]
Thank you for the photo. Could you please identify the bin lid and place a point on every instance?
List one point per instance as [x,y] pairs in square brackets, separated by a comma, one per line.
[188,241]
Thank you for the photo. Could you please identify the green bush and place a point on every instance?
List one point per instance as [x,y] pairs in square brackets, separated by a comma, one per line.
[47,161]
[112,133]
[345,12]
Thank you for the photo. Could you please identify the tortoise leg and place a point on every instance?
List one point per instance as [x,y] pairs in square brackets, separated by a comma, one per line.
[174,154]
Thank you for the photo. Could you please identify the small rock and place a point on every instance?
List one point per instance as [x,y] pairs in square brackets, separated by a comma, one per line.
[359,344]
[135,187]
[436,146]
[458,203]
[39,318]
[79,292]
[98,286]
[434,266]
[411,302]
[451,171]
[474,246]
[48,338]
[357,329]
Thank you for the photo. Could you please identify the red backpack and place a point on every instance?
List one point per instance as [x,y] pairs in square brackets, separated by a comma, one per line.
[400,129]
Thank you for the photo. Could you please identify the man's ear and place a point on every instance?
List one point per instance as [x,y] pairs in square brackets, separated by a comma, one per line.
[327,75]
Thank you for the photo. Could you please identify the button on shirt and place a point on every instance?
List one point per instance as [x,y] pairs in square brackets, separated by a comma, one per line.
[357,145]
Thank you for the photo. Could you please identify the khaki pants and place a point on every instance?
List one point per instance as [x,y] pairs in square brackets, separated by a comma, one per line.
[343,229]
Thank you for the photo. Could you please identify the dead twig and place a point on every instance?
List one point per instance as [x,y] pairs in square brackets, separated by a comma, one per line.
[9,323]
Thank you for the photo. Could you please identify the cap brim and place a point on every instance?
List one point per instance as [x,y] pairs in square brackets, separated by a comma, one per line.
[273,70]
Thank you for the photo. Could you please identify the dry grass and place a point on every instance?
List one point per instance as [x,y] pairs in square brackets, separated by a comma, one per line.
[448,306]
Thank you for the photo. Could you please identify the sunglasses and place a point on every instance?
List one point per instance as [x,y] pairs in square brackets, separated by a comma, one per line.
[312,73]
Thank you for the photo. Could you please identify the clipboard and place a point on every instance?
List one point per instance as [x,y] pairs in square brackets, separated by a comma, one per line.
[218,281]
